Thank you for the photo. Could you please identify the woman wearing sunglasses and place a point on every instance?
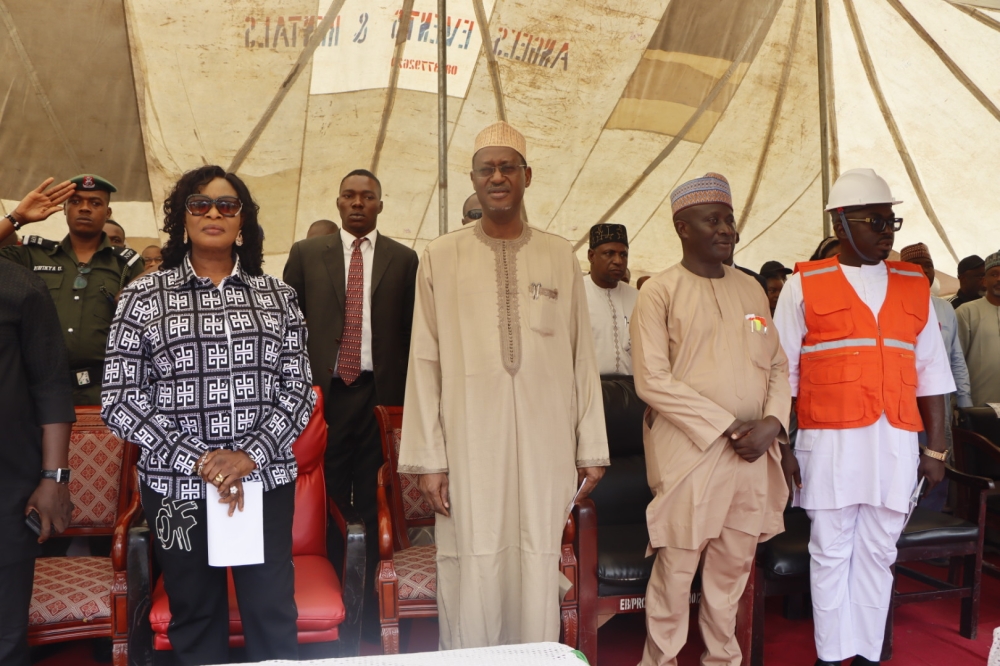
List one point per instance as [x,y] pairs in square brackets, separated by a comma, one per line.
[207,372]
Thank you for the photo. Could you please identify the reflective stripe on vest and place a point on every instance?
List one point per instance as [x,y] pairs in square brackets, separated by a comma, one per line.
[840,344]
[818,271]
[899,344]
[907,273]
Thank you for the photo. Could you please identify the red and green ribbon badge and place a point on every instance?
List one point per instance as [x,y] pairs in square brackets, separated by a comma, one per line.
[757,323]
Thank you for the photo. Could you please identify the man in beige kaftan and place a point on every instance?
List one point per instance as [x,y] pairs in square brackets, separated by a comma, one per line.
[707,361]
[503,414]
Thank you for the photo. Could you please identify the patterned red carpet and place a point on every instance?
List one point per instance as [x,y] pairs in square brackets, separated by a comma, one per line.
[926,635]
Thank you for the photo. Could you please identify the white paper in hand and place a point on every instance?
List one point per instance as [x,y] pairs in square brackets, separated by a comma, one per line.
[238,539]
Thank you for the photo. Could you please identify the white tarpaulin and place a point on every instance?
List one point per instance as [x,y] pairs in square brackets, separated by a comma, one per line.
[620,101]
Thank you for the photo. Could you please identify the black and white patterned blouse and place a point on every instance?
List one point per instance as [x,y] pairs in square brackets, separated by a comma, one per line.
[192,366]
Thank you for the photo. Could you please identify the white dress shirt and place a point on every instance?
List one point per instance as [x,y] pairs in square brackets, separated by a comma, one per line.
[610,314]
[367,256]
[876,464]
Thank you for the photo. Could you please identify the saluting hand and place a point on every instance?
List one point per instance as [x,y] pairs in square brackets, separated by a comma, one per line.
[39,204]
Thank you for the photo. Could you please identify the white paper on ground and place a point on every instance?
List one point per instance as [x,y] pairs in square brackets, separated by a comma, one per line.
[238,539]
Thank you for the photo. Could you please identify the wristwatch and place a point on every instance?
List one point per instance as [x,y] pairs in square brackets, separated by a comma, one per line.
[937,455]
[60,475]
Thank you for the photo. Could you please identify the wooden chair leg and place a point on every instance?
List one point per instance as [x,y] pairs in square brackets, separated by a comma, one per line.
[388,606]
[569,613]
[972,578]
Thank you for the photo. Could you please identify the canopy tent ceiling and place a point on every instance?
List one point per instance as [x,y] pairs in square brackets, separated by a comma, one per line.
[620,101]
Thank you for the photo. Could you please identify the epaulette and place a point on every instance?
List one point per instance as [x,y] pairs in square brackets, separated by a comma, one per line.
[128,254]
[40,242]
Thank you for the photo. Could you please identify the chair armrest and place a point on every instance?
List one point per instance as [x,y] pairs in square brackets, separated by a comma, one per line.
[980,483]
[352,528]
[140,586]
[129,519]
[385,545]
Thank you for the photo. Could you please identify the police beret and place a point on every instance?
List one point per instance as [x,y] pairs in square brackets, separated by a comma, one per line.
[89,182]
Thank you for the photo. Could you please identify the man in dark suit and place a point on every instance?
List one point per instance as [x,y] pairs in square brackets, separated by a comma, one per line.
[356,289]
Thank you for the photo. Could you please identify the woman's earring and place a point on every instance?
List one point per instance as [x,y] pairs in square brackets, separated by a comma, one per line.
[239,239]
[185,236]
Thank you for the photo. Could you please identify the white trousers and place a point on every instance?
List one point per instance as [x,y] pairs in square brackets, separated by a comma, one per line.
[852,550]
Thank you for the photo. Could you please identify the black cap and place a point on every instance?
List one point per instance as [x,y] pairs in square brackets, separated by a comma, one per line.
[970,263]
[89,182]
[773,269]
[608,233]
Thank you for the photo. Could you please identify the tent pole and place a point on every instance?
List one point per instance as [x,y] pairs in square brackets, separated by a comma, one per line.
[442,39]
[822,28]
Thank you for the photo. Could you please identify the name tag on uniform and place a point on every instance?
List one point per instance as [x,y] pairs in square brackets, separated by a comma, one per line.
[48,269]
[83,378]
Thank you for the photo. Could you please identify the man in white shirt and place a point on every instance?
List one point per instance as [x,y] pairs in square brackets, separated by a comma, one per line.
[869,369]
[609,299]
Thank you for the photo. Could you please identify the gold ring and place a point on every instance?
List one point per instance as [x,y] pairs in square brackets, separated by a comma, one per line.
[219,478]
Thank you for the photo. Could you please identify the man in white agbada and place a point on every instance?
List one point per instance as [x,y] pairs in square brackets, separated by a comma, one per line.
[869,369]
[503,416]
[610,299]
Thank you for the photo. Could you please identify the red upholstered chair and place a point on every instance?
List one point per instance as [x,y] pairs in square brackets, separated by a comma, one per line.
[85,597]
[327,611]
[406,578]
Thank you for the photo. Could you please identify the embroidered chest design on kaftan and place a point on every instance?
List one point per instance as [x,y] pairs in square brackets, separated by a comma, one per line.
[508,308]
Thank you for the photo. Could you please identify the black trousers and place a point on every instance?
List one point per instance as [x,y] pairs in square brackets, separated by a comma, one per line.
[353,458]
[16,580]
[198,593]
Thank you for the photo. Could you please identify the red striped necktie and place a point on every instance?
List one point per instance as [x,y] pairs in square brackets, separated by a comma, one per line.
[350,346]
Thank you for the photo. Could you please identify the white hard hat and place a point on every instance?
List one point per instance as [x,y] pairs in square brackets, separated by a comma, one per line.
[859,187]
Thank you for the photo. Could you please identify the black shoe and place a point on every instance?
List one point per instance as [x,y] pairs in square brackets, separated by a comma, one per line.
[821,662]
[861,661]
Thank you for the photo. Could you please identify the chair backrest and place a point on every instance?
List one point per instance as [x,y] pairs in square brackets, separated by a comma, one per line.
[101,464]
[406,503]
[309,521]
[984,422]
[623,494]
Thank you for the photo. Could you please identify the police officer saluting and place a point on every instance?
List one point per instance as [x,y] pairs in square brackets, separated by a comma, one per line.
[83,272]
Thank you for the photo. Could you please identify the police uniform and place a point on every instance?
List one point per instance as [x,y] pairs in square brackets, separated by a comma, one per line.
[85,313]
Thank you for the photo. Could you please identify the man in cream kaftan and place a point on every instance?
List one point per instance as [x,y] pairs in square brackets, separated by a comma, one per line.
[707,360]
[503,394]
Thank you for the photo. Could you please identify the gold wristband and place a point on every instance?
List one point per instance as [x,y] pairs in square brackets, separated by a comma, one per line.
[937,455]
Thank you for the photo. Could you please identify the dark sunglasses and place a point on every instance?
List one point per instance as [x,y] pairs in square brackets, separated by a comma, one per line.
[474,214]
[81,277]
[199,204]
[879,224]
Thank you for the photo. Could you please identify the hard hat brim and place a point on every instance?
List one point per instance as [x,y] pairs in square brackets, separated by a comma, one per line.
[830,209]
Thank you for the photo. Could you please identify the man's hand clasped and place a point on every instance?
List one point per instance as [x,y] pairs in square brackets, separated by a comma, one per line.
[752,439]
[225,470]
